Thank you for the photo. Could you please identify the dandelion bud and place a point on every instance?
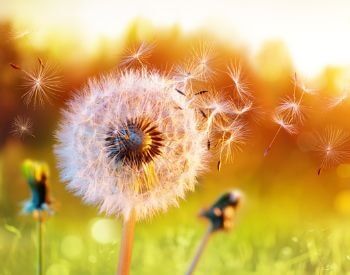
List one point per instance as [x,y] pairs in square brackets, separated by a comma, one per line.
[36,174]
[221,213]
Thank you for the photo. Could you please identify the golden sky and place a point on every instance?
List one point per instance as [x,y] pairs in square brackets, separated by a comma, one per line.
[315,32]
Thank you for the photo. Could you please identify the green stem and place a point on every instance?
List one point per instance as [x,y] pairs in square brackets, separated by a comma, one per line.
[40,244]
[200,250]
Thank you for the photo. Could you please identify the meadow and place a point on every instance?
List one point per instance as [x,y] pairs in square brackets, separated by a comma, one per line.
[291,221]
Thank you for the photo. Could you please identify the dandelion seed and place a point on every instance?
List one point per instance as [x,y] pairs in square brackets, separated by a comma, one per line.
[180,92]
[22,127]
[186,74]
[203,114]
[230,139]
[201,92]
[234,71]
[40,84]
[203,58]
[16,34]
[214,107]
[289,112]
[302,86]
[241,109]
[137,55]
[284,121]
[292,107]
[332,147]
[338,100]
[219,165]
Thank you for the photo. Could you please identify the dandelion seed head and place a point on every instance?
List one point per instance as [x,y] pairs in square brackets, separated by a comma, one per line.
[125,144]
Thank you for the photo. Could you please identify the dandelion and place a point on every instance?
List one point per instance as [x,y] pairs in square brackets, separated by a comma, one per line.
[36,174]
[234,71]
[22,126]
[137,55]
[332,147]
[221,216]
[40,84]
[126,146]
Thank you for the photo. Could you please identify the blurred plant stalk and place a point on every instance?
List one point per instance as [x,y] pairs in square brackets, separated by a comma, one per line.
[221,217]
[40,242]
[40,204]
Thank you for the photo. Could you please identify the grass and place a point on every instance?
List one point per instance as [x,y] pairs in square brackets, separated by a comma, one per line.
[288,228]
[252,248]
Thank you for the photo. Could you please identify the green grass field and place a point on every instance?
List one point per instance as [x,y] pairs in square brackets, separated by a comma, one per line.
[260,244]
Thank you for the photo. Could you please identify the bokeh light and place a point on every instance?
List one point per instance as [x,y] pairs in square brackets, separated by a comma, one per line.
[72,246]
[105,230]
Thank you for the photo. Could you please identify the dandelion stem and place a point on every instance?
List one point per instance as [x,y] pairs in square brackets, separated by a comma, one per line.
[126,244]
[40,244]
[268,148]
[200,250]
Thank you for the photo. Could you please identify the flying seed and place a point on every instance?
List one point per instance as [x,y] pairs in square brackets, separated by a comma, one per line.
[201,92]
[180,92]
[219,165]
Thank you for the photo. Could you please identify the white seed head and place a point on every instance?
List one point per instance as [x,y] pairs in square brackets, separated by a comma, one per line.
[126,144]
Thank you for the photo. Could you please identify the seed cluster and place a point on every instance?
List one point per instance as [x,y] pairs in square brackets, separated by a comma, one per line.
[135,142]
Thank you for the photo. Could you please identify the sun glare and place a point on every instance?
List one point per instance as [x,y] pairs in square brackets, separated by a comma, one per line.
[92,20]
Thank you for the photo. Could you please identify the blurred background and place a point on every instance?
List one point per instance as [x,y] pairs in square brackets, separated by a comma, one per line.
[292,220]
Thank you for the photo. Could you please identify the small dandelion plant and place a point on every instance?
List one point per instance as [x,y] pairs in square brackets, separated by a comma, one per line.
[40,204]
[221,217]
[131,145]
